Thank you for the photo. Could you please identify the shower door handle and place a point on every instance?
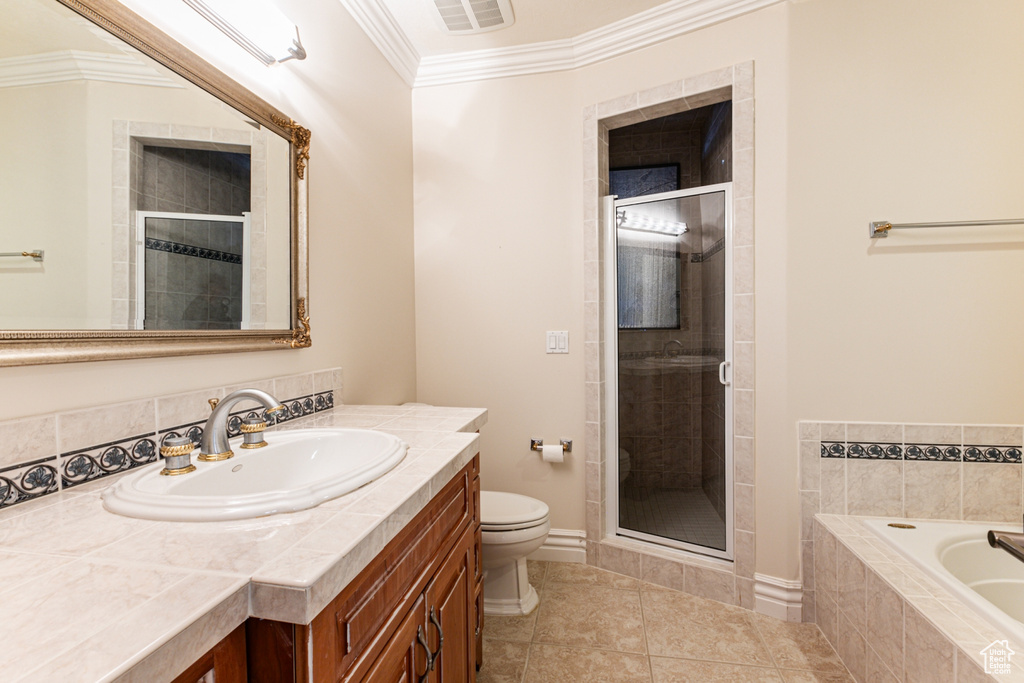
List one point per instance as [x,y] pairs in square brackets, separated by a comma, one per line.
[721,372]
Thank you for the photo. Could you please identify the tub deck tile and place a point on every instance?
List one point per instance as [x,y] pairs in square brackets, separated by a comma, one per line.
[935,636]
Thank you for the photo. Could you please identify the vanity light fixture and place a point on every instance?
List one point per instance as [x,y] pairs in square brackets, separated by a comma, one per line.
[634,221]
[257,25]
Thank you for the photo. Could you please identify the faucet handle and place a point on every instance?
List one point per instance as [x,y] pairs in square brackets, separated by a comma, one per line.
[177,454]
[213,403]
[252,432]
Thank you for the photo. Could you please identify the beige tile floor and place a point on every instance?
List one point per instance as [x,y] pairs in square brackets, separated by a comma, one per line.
[593,625]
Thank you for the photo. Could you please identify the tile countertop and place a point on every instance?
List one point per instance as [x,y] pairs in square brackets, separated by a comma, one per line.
[92,596]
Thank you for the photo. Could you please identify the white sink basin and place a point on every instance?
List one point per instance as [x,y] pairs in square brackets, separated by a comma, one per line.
[296,470]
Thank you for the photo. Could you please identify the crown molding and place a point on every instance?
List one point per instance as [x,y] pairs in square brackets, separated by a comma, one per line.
[77,65]
[647,28]
[382,29]
[657,24]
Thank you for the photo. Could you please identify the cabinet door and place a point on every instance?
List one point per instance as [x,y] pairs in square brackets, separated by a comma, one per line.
[352,630]
[225,662]
[450,615]
[404,658]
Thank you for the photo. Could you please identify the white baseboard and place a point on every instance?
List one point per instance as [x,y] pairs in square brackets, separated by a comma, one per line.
[563,545]
[778,598]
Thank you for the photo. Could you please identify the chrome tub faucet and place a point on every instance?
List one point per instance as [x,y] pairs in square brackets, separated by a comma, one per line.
[214,445]
[1010,541]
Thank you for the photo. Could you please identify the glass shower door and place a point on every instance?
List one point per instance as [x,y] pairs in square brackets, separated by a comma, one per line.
[670,342]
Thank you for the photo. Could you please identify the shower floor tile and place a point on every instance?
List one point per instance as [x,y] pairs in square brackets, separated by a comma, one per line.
[681,514]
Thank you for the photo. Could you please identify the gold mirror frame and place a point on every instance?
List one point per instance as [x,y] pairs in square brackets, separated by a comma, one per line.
[38,347]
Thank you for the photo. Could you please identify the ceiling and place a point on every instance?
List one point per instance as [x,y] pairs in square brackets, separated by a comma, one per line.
[548,35]
[34,27]
[536,21]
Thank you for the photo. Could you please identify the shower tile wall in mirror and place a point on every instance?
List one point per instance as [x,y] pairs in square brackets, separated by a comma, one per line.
[156,206]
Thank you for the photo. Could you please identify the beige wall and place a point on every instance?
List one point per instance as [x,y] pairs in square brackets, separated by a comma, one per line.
[906,111]
[864,110]
[499,240]
[499,261]
[361,280]
[43,210]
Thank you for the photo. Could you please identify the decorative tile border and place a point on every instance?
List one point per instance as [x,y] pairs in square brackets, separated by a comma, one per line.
[1004,454]
[191,250]
[712,250]
[874,451]
[94,462]
[934,453]
[833,449]
[29,480]
[921,452]
[717,352]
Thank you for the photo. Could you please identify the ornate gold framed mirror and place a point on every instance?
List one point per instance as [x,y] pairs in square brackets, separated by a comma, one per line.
[152,205]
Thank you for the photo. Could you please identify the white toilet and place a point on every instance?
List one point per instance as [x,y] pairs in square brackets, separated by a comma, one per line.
[513,526]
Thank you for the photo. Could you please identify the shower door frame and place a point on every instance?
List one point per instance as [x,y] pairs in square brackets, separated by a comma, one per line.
[611,359]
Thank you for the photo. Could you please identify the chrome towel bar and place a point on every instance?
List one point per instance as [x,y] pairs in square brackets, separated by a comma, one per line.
[36,255]
[882,228]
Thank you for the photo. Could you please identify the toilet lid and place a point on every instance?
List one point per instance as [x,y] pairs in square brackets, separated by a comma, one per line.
[499,510]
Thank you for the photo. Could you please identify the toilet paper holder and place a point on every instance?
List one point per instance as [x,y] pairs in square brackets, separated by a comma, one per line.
[538,444]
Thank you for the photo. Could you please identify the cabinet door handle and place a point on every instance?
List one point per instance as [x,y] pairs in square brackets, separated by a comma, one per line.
[440,638]
[421,638]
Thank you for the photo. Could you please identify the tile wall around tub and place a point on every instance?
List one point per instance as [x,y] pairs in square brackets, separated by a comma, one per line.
[917,471]
[888,620]
[46,454]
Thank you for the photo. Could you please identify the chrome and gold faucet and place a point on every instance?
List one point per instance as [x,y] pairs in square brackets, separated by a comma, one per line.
[214,445]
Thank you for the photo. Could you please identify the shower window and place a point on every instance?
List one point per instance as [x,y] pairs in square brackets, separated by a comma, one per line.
[648,274]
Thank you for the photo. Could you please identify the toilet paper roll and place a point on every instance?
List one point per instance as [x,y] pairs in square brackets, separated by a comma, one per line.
[552,453]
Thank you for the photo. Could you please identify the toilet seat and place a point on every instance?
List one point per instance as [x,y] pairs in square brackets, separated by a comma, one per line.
[500,511]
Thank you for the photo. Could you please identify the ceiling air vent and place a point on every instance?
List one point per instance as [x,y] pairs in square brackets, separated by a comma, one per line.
[474,16]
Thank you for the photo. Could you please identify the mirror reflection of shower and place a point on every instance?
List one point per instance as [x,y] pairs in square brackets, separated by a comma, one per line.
[192,273]
[192,238]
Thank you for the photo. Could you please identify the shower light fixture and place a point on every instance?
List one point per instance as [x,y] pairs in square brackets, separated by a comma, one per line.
[257,25]
[635,221]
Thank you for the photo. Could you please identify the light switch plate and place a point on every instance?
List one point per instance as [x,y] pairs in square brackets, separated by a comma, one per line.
[558,342]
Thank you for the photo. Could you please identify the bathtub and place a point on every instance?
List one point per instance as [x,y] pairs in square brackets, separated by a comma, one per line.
[958,556]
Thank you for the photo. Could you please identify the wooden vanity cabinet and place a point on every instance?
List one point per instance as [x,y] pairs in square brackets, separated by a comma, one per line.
[387,624]
[405,655]
[224,663]
[450,614]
